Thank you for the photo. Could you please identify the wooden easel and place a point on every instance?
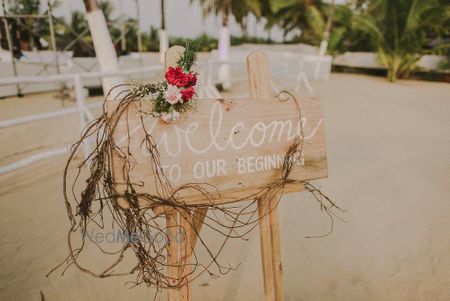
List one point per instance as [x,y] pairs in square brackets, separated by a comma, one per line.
[180,254]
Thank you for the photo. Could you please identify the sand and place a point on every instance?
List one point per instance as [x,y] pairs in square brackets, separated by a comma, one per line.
[389,167]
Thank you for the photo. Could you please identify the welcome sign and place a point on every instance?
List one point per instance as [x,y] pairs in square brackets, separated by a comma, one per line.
[231,144]
[236,146]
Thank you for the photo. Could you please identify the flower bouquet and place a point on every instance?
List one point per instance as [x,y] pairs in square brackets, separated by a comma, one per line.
[175,95]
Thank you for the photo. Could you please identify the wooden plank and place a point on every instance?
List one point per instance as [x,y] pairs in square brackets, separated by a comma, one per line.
[173,262]
[186,255]
[236,147]
[198,217]
[172,55]
[259,84]
[259,81]
[266,249]
[195,150]
[230,144]
[258,75]
[277,266]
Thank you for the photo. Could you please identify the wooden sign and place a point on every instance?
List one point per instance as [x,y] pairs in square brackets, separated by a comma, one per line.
[235,145]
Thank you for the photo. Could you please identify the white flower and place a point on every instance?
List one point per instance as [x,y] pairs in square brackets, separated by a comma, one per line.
[170,117]
[172,95]
[149,97]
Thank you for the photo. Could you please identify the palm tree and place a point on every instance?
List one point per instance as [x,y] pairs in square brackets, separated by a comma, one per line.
[325,37]
[241,9]
[104,48]
[240,13]
[326,33]
[303,15]
[224,40]
[82,46]
[224,7]
[28,30]
[401,29]
[163,40]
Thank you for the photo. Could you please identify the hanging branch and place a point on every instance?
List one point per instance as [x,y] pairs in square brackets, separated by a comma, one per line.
[100,199]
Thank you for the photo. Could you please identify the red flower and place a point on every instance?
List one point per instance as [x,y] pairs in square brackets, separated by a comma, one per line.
[187,94]
[192,79]
[176,77]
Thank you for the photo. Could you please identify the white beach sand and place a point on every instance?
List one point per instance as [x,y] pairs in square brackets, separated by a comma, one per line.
[389,167]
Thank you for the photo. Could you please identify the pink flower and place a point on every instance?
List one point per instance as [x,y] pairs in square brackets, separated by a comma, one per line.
[172,95]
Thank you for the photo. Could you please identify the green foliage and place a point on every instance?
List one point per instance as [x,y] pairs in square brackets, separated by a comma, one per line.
[400,31]
[107,9]
[206,43]
[24,7]
[189,57]
[202,43]
[150,40]
[304,15]
[240,9]
[345,35]
[445,65]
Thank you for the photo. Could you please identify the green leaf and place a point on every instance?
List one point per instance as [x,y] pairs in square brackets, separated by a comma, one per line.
[315,20]
[277,5]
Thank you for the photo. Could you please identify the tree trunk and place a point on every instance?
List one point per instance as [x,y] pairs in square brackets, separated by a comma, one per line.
[163,40]
[104,48]
[324,43]
[225,10]
[224,38]
[163,16]
[393,68]
[326,33]
[224,45]
[90,5]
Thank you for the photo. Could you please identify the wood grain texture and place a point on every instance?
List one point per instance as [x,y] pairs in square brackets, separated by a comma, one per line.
[258,128]
[266,249]
[198,216]
[173,255]
[259,85]
[277,266]
[195,148]
[258,75]
[240,122]
[172,55]
[236,147]
[173,218]
[186,249]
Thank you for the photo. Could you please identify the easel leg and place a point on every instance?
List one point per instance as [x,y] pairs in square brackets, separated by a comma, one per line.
[197,220]
[270,250]
[186,255]
[276,251]
[173,262]
[180,250]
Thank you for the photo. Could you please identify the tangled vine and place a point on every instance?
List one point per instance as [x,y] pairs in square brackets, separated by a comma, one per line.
[99,204]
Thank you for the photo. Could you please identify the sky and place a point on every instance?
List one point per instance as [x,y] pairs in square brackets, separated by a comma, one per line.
[182,18]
